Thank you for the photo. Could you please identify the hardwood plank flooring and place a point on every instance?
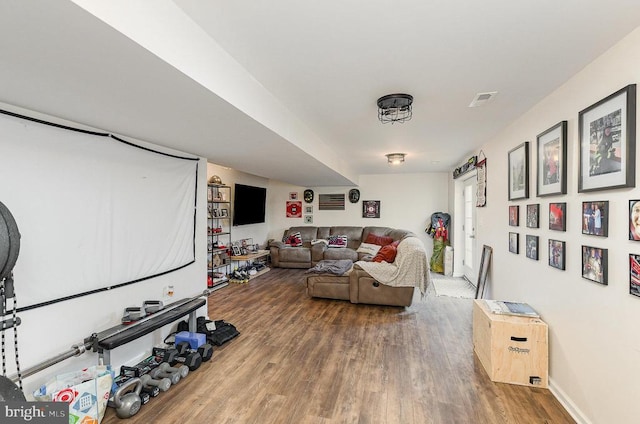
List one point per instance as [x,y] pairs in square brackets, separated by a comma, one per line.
[320,361]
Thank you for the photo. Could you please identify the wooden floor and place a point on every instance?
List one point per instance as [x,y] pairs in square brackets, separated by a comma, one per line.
[303,360]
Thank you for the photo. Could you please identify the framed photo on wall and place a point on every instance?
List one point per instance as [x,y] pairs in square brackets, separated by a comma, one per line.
[533,213]
[514,242]
[607,134]
[634,274]
[595,218]
[557,216]
[531,247]
[518,162]
[594,264]
[514,215]
[552,161]
[634,219]
[556,254]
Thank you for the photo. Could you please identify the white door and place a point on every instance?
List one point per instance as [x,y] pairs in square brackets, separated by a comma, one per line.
[469,230]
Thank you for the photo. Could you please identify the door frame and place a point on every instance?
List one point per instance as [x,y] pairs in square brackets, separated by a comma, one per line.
[458,222]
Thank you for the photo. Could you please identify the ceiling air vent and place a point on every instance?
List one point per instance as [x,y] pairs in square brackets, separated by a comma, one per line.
[482,98]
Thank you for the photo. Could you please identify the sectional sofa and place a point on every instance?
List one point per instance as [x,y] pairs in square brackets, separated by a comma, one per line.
[390,281]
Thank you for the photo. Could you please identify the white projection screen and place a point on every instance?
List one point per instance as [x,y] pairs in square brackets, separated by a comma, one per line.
[94,212]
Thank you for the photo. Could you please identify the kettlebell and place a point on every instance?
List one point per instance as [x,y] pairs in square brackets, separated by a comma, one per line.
[127,405]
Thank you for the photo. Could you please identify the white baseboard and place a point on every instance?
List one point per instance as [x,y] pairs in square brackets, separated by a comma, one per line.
[566,402]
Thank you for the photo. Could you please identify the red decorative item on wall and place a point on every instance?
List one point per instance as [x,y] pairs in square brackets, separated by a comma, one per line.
[294,209]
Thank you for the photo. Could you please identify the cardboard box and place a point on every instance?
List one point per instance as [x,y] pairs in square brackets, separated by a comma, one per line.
[512,349]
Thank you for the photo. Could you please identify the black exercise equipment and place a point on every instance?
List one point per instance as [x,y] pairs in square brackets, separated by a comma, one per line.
[9,250]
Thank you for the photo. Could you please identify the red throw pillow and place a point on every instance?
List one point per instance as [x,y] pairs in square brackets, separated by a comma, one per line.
[386,253]
[379,240]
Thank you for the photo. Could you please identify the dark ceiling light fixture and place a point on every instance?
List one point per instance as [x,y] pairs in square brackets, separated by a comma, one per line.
[395,108]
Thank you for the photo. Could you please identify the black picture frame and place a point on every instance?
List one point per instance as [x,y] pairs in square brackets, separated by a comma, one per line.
[634,275]
[558,216]
[557,254]
[485,261]
[371,208]
[531,246]
[594,264]
[514,215]
[634,219]
[533,215]
[607,135]
[518,164]
[552,161]
[514,242]
[595,218]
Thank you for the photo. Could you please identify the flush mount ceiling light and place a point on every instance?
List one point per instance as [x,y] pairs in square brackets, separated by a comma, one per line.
[395,158]
[395,108]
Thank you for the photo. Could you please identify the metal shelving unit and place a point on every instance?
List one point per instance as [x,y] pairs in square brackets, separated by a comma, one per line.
[218,235]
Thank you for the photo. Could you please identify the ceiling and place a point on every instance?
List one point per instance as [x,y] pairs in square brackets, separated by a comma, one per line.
[286,89]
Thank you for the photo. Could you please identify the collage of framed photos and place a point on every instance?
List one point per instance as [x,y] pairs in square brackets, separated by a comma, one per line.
[606,161]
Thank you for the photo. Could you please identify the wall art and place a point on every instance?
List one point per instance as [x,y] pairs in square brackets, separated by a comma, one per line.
[634,274]
[514,242]
[634,220]
[294,209]
[595,218]
[514,215]
[531,247]
[331,202]
[557,216]
[518,160]
[552,161]
[608,142]
[371,209]
[594,264]
[533,214]
[556,253]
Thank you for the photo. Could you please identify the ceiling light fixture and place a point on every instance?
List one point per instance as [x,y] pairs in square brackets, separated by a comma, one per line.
[395,108]
[395,158]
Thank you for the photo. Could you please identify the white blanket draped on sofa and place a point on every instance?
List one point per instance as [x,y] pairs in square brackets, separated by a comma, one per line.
[410,269]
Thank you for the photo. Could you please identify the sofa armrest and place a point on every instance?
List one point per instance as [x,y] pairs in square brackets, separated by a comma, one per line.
[277,244]
[317,252]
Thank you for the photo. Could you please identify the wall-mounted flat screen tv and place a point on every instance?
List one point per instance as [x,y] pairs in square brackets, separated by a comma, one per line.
[249,204]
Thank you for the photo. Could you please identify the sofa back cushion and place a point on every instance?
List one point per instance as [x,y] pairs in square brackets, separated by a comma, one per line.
[306,233]
[354,235]
[395,234]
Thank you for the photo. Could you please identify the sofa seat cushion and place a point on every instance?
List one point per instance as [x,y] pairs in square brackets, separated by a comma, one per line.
[346,253]
[295,254]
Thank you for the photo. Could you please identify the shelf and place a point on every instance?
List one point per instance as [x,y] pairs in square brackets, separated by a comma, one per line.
[219,234]
[219,201]
[224,265]
[251,256]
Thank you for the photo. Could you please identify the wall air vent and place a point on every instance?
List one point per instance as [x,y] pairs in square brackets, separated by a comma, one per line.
[482,98]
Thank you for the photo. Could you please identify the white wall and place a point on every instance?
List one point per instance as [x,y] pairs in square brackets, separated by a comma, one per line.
[593,329]
[50,330]
[407,202]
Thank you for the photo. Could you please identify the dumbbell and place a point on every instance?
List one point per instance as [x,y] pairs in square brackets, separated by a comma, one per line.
[152,391]
[162,384]
[162,372]
[189,357]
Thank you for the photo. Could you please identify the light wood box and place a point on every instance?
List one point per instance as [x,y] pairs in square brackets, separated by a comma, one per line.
[512,349]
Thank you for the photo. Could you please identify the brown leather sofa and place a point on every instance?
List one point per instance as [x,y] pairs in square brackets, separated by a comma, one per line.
[357,286]
[309,254]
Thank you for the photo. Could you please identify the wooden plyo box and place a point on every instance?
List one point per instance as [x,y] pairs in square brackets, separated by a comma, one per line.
[512,349]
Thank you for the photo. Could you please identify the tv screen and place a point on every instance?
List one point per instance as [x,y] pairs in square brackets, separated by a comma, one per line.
[249,204]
